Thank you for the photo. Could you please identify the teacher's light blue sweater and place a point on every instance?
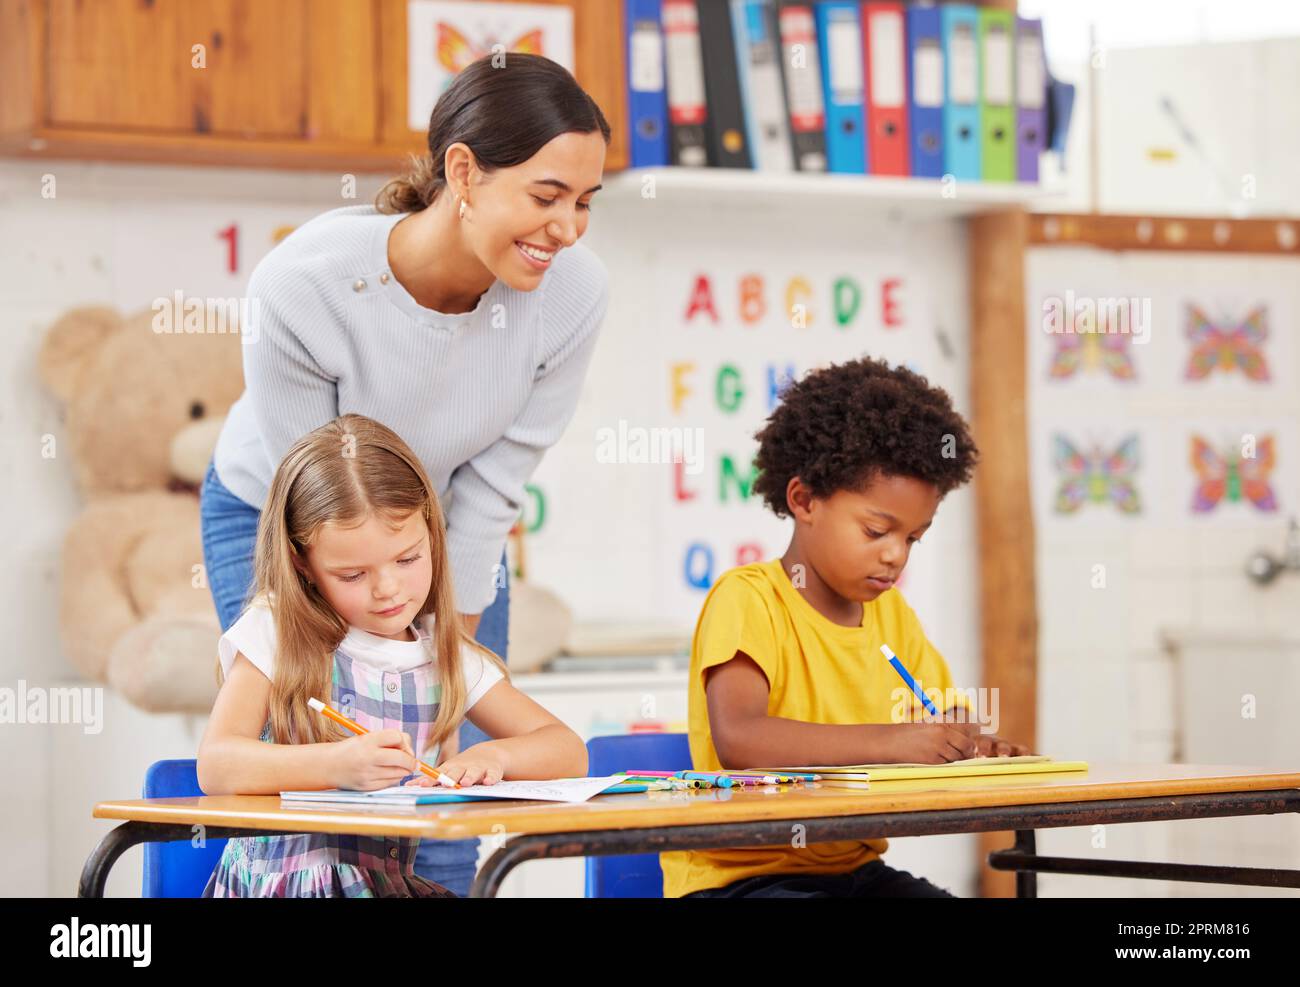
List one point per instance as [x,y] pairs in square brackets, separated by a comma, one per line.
[479,396]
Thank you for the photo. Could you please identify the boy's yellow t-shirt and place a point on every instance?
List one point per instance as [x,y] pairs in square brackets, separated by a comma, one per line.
[819,672]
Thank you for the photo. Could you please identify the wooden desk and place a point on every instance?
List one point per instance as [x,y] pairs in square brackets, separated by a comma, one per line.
[657,821]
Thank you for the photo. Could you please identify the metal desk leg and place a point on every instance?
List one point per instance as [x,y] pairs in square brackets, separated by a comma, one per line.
[518,850]
[116,842]
[1026,880]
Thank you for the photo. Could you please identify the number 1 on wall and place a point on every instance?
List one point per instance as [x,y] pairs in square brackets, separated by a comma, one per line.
[231,234]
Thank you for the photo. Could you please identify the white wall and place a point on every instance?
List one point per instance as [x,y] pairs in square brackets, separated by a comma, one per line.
[1069,24]
[1229,68]
[117,235]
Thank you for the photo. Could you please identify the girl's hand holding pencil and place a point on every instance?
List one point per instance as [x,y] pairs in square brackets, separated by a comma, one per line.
[375,759]
[378,759]
[476,766]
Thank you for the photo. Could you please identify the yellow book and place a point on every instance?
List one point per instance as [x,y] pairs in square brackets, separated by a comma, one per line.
[857,775]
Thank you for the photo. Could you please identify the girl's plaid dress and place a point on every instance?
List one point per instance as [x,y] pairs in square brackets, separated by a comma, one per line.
[339,865]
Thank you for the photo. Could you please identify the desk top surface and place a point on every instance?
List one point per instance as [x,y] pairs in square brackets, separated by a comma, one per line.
[458,820]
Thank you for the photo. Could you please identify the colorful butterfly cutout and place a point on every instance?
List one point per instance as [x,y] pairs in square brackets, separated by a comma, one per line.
[1095,476]
[1092,347]
[1231,477]
[1226,348]
[455,51]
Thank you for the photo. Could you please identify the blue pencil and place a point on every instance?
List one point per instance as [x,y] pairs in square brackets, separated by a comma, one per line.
[907,677]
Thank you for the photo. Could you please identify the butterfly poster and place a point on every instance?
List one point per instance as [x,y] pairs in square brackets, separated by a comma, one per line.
[1096,474]
[444,36]
[1096,352]
[1239,471]
[1092,342]
[1232,345]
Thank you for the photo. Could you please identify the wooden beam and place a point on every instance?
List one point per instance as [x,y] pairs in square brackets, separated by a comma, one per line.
[1279,235]
[1008,608]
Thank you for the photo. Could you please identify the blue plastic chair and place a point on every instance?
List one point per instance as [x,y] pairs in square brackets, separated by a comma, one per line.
[632,875]
[177,869]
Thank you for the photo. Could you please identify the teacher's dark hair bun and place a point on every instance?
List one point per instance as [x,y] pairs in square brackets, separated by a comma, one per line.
[505,114]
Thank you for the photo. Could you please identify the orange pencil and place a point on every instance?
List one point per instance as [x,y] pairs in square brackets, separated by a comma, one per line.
[357,728]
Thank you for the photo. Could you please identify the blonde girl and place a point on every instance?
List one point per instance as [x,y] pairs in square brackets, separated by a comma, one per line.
[354,602]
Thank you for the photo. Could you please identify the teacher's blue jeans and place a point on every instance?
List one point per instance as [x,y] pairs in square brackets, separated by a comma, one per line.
[229,530]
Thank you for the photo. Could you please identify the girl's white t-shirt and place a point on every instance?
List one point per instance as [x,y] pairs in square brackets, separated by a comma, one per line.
[253,634]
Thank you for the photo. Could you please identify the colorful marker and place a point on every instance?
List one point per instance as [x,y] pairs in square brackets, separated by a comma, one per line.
[774,779]
[716,780]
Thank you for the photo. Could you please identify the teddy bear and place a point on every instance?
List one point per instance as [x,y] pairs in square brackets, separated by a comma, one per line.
[142,411]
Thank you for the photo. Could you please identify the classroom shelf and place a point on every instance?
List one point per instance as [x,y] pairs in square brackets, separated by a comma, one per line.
[922,197]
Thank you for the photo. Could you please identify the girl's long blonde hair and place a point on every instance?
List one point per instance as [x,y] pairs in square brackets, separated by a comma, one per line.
[342,473]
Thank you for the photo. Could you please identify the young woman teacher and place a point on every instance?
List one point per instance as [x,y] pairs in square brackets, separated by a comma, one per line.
[459,310]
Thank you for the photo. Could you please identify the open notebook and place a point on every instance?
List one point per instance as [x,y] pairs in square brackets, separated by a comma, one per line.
[556,790]
[859,775]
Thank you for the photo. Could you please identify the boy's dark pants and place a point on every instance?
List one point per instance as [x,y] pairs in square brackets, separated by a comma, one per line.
[874,879]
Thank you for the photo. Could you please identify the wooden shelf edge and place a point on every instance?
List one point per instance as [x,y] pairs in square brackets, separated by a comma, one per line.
[927,194]
[190,149]
[1262,235]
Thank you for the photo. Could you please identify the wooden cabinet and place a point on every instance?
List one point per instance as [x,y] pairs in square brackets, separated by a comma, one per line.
[202,66]
[310,84]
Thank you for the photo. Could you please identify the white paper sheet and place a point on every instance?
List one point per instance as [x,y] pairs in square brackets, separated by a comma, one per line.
[555,790]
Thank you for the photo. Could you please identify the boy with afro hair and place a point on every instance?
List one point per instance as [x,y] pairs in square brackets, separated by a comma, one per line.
[786,667]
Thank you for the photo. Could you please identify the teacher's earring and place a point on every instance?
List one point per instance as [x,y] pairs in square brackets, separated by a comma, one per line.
[462,207]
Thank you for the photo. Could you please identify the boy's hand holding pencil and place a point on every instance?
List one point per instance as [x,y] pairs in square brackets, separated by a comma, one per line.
[929,742]
[991,745]
[938,738]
